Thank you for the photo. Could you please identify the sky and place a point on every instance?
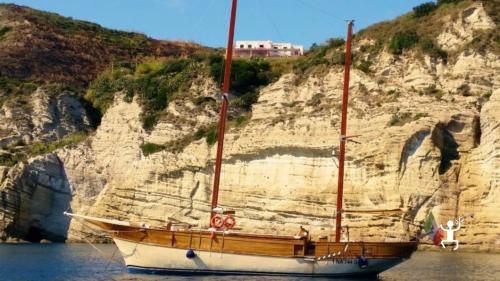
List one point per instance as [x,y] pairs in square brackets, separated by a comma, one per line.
[301,22]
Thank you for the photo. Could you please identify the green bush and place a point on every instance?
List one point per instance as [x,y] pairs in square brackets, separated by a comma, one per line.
[149,67]
[322,56]
[403,40]
[424,9]
[28,88]
[211,136]
[209,133]
[4,30]
[10,159]
[420,115]
[149,121]
[200,133]
[429,47]
[246,75]
[432,90]
[338,58]
[101,91]
[364,66]
[399,119]
[246,100]
[243,119]
[39,148]
[154,82]
[150,148]
[335,42]
[11,85]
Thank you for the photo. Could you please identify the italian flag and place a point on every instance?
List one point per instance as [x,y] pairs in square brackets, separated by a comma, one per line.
[432,229]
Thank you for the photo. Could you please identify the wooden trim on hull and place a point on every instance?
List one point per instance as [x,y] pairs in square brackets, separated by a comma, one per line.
[254,244]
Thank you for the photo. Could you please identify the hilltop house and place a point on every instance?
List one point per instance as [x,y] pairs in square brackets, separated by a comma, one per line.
[267,49]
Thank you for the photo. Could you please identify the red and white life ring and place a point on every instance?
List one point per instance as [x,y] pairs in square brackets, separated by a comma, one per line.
[229,221]
[217,221]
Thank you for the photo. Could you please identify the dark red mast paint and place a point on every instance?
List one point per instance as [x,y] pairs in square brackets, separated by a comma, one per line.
[343,128]
[223,109]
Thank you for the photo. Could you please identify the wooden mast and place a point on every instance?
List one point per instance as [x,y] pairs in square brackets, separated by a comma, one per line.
[223,109]
[343,128]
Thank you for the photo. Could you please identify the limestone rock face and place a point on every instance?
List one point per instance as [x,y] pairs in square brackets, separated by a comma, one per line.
[428,138]
[34,203]
[461,30]
[44,117]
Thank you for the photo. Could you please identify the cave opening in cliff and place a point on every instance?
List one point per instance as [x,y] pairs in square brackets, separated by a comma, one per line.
[35,234]
[448,146]
[476,124]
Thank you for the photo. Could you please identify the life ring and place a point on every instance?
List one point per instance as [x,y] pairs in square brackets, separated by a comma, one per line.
[217,221]
[229,221]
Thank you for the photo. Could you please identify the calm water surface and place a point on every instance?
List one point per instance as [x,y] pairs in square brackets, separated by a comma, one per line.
[55,262]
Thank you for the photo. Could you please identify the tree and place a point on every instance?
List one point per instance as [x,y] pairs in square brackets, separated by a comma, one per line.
[424,9]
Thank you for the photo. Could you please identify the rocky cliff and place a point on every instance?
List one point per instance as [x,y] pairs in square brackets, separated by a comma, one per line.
[428,137]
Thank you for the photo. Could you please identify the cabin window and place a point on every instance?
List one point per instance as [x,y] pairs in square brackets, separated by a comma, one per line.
[249,45]
[242,46]
[276,48]
[285,48]
[261,46]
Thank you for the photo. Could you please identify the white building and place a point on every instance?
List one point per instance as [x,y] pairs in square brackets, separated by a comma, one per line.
[267,49]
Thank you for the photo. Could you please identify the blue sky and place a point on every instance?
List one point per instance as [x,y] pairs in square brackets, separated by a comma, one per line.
[205,21]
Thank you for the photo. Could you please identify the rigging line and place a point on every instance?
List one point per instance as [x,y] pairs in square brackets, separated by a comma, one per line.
[269,19]
[202,18]
[100,251]
[330,15]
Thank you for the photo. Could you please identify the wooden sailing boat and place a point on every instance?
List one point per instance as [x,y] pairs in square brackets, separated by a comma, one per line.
[219,250]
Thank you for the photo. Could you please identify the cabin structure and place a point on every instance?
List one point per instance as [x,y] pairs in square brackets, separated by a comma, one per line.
[267,49]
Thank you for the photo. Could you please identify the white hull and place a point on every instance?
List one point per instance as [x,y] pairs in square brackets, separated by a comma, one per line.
[157,259]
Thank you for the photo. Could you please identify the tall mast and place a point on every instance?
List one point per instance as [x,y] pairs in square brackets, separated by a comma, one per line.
[343,128]
[223,109]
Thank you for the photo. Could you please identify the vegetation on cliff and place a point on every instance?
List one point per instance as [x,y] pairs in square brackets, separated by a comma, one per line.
[417,31]
[157,82]
[47,47]
[40,49]
[95,62]
[21,151]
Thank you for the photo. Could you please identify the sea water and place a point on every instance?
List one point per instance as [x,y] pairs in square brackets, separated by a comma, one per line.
[82,262]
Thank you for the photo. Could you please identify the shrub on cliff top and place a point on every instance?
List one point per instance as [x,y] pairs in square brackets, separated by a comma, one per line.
[424,9]
[403,40]
[327,54]
[246,74]
[158,82]
[335,42]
